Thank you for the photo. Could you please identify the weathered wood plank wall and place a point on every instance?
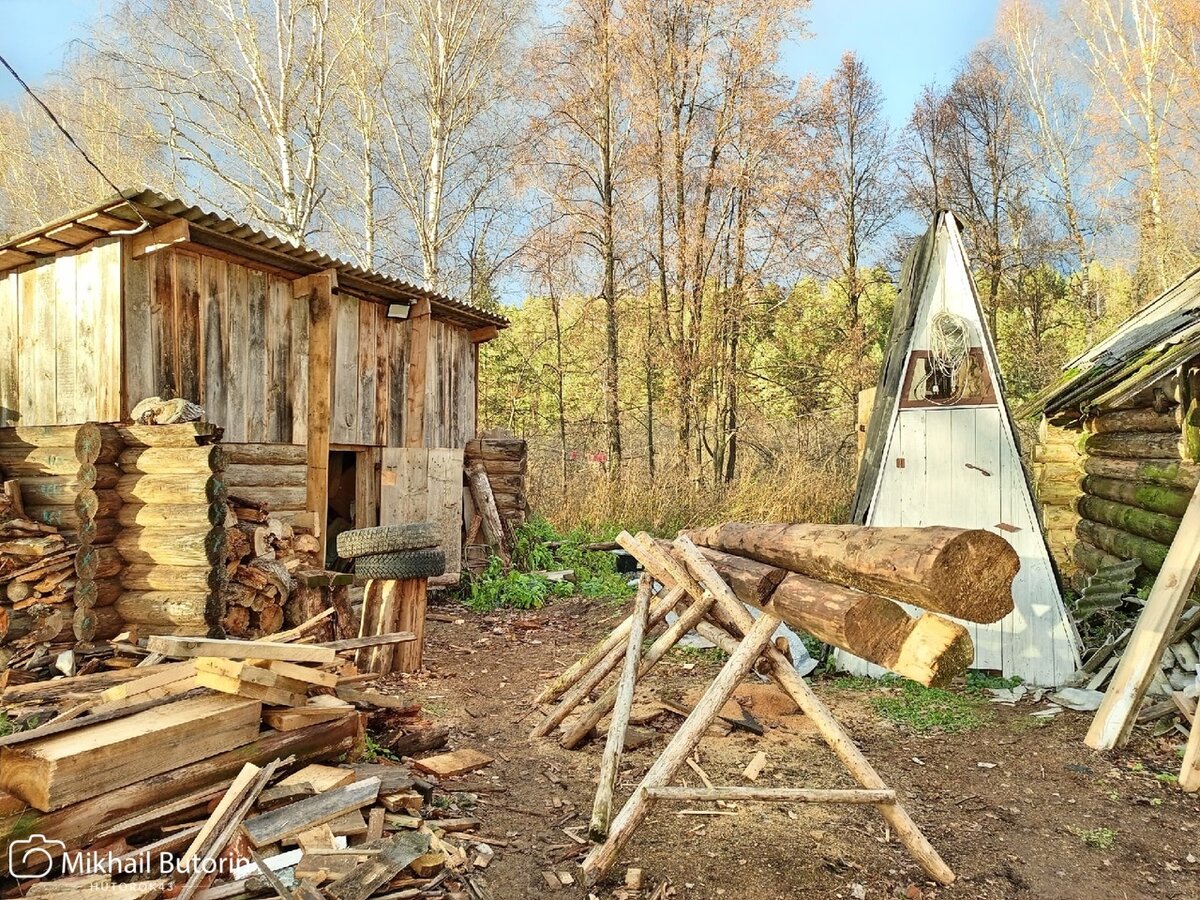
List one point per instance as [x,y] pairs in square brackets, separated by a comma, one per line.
[60,353]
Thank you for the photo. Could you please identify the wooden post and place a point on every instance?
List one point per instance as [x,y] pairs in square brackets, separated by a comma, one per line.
[485,503]
[611,761]
[1189,774]
[601,859]
[410,616]
[418,367]
[319,289]
[1140,662]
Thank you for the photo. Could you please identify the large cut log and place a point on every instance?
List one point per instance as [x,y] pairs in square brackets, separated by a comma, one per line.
[266,454]
[243,476]
[35,462]
[752,581]
[931,649]
[61,490]
[172,489]
[1122,544]
[97,592]
[276,498]
[172,515]
[1167,472]
[66,768]
[184,434]
[1132,444]
[174,460]
[1155,526]
[1155,498]
[967,574]
[100,623]
[172,546]
[490,450]
[153,577]
[76,824]
[98,562]
[163,607]
[485,505]
[1132,420]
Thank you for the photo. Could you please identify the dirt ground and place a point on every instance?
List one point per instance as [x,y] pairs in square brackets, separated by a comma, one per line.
[1018,809]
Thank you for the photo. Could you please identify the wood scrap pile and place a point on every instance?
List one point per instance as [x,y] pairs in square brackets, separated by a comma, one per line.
[839,583]
[496,470]
[215,775]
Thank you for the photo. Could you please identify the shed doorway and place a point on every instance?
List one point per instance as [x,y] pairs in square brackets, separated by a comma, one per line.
[353,496]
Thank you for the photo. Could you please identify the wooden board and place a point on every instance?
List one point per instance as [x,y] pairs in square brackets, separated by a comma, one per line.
[278,824]
[71,767]
[420,485]
[458,762]
[182,647]
[320,777]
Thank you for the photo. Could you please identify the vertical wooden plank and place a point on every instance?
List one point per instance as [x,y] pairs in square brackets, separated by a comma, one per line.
[345,370]
[10,373]
[319,289]
[420,324]
[366,488]
[366,372]
[214,320]
[236,352]
[445,498]
[164,325]
[278,340]
[382,375]
[66,394]
[137,331]
[187,312]
[298,370]
[87,320]
[397,382]
[37,344]
[257,375]
[110,328]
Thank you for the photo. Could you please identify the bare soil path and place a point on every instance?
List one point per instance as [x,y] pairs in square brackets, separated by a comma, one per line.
[1017,807]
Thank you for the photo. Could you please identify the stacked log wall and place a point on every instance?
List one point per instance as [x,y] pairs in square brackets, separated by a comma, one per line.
[172,536]
[506,461]
[274,474]
[1058,476]
[68,475]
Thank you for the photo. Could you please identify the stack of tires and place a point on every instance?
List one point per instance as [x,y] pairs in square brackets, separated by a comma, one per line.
[394,552]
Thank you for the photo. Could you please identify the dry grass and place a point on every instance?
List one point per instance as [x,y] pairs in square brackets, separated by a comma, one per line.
[797,489]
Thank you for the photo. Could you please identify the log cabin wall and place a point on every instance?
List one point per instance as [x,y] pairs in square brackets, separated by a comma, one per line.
[1130,483]
[60,351]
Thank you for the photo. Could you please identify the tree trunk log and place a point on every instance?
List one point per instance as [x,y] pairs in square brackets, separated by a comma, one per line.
[155,577]
[1155,498]
[752,581]
[172,546]
[1132,445]
[1132,420]
[174,460]
[1155,526]
[172,489]
[248,476]
[266,454]
[967,574]
[172,515]
[1122,544]
[1090,558]
[1167,472]
[163,607]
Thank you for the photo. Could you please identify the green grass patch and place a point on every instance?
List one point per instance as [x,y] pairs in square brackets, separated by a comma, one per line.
[373,751]
[978,682]
[713,655]
[1097,838]
[924,710]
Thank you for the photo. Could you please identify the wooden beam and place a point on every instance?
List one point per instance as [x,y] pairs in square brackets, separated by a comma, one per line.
[772,795]
[1140,663]
[319,289]
[42,245]
[418,367]
[484,334]
[74,234]
[10,259]
[177,231]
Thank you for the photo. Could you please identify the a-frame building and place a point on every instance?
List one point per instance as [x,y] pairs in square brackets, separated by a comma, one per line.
[941,449]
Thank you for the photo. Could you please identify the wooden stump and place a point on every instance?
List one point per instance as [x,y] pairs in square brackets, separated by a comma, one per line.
[390,606]
[411,598]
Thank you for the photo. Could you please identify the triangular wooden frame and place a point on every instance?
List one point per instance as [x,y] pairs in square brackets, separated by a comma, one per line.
[717,614]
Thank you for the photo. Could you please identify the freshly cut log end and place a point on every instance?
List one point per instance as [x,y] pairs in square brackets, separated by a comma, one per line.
[974,575]
[935,652]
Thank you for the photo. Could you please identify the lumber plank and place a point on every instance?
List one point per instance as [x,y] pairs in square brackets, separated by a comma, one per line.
[270,827]
[458,762]
[367,877]
[187,647]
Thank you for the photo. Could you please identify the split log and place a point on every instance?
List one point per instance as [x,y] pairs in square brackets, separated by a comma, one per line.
[1132,445]
[1132,420]
[1164,471]
[1122,544]
[966,574]
[1155,526]
[1153,498]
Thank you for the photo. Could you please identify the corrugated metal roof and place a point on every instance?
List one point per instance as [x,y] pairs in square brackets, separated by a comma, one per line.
[254,243]
[1144,348]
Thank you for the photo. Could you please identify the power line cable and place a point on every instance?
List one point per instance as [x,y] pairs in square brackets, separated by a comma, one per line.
[74,143]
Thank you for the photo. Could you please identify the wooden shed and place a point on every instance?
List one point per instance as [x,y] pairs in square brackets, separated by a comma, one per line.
[1119,439]
[354,392]
[941,449]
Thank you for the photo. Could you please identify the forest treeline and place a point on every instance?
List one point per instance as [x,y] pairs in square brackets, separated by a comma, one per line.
[698,254]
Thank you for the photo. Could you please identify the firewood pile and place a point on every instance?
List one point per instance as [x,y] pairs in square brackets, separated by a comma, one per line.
[263,553]
[220,768]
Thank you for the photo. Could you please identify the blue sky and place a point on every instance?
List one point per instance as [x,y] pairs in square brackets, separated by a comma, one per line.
[905,43]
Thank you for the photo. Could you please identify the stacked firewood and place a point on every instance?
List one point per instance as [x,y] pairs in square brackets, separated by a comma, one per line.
[37,578]
[263,553]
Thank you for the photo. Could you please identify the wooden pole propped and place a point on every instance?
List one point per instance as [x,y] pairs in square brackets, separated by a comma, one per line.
[421,329]
[319,288]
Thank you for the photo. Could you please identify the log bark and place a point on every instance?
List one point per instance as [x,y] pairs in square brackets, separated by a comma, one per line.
[1132,445]
[266,454]
[1155,526]
[1131,420]
[966,574]
[1165,471]
[1089,558]
[752,581]
[1122,544]
[1155,498]
[240,476]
